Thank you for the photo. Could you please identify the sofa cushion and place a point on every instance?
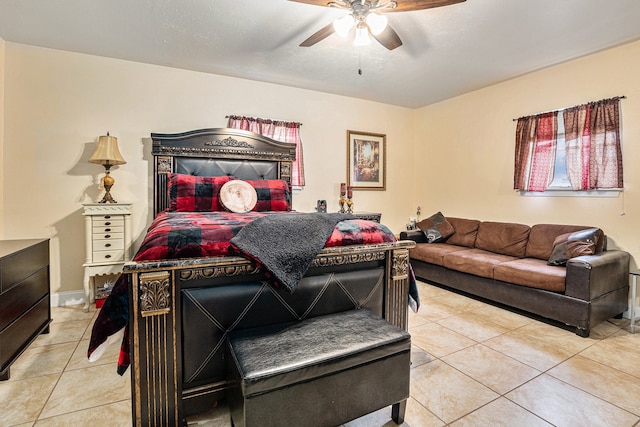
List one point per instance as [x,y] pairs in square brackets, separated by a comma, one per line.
[542,236]
[532,272]
[434,253]
[578,243]
[475,261]
[436,228]
[503,238]
[465,231]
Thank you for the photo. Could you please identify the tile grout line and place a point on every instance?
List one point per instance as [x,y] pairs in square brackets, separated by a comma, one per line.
[63,370]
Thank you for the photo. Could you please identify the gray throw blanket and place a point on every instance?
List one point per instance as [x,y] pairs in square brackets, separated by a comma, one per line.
[286,245]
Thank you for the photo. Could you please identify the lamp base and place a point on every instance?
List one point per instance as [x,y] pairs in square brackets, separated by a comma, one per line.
[107,198]
[108,182]
[107,195]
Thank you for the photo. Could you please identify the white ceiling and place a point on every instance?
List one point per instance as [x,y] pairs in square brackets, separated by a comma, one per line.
[447,51]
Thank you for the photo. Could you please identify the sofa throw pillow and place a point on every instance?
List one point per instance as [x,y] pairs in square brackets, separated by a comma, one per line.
[578,243]
[465,232]
[190,193]
[436,228]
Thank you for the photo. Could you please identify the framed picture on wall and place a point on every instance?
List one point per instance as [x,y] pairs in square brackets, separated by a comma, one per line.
[366,160]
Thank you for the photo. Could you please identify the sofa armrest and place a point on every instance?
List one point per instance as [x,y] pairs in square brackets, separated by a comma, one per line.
[415,235]
[591,276]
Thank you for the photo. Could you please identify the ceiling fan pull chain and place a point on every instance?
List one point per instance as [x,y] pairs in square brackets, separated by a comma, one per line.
[359,62]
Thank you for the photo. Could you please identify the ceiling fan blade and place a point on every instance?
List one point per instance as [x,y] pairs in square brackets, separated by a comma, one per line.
[314,2]
[408,5]
[388,38]
[319,35]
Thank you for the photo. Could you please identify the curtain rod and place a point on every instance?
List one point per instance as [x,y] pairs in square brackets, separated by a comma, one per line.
[566,108]
[258,118]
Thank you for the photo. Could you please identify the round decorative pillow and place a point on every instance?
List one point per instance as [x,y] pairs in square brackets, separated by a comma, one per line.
[238,196]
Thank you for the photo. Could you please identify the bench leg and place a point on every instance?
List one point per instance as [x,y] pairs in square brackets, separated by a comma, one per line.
[397,412]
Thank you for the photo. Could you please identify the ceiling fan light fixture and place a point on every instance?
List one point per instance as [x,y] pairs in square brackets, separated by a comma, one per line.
[377,23]
[362,36]
[343,25]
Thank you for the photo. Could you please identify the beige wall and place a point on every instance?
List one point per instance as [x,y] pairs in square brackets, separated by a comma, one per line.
[465,147]
[58,103]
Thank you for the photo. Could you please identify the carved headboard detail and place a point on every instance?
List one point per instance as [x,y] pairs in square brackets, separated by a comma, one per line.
[215,152]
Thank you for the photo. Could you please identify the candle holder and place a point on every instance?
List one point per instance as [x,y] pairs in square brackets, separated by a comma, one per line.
[349,205]
[341,201]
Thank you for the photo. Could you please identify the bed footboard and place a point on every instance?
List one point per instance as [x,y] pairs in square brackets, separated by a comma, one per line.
[168,384]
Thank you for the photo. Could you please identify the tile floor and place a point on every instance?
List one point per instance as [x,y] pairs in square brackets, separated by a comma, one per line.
[473,365]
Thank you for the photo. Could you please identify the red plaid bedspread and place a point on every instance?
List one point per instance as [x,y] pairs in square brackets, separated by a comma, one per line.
[175,235]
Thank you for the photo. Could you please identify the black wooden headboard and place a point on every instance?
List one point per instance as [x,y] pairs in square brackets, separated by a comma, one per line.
[215,152]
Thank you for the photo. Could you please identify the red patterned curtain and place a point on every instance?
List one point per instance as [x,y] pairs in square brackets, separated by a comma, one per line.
[536,139]
[280,131]
[594,154]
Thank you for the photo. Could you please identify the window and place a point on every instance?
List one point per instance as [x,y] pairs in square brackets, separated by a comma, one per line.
[577,150]
[560,176]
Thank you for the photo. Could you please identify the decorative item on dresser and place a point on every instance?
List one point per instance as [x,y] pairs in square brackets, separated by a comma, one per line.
[369,216]
[108,242]
[107,154]
[349,201]
[25,307]
[343,192]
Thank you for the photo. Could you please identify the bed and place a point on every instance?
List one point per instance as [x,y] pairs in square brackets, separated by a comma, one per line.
[178,307]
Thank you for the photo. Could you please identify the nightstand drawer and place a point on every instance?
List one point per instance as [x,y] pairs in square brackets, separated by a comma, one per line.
[108,236]
[107,229]
[114,221]
[108,256]
[108,244]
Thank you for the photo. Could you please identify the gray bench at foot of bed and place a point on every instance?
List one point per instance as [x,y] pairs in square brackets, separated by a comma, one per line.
[322,371]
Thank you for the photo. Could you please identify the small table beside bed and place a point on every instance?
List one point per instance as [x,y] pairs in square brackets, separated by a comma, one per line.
[193,281]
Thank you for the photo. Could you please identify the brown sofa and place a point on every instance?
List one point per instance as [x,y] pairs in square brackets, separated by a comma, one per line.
[508,263]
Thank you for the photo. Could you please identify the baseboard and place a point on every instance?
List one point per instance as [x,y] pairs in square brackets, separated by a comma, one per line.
[62,299]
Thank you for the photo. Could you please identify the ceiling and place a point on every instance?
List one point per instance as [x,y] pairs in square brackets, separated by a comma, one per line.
[447,51]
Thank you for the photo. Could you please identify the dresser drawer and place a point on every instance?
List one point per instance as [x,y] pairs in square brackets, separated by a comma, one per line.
[108,244]
[22,264]
[18,299]
[108,256]
[17,336]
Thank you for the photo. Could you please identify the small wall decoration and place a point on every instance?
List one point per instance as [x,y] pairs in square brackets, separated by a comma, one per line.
[366,160]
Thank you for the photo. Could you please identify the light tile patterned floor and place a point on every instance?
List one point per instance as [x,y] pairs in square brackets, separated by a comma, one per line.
[473,365]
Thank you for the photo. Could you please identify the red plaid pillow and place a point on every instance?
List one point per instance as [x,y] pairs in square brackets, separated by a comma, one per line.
[190,193]
[273,195]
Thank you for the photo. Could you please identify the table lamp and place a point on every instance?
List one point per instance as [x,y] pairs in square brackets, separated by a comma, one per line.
[107,154]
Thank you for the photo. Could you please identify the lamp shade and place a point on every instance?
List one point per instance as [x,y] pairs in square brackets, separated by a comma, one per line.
[107,152]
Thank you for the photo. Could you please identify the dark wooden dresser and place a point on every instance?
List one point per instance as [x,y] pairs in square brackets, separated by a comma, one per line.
[25,303]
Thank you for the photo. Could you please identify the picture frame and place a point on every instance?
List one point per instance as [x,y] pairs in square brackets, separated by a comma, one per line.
[366,160]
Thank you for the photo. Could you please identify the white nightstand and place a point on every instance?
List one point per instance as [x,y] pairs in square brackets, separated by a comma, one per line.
[108,242]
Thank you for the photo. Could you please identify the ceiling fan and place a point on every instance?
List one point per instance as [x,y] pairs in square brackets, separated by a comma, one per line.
[367,18]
